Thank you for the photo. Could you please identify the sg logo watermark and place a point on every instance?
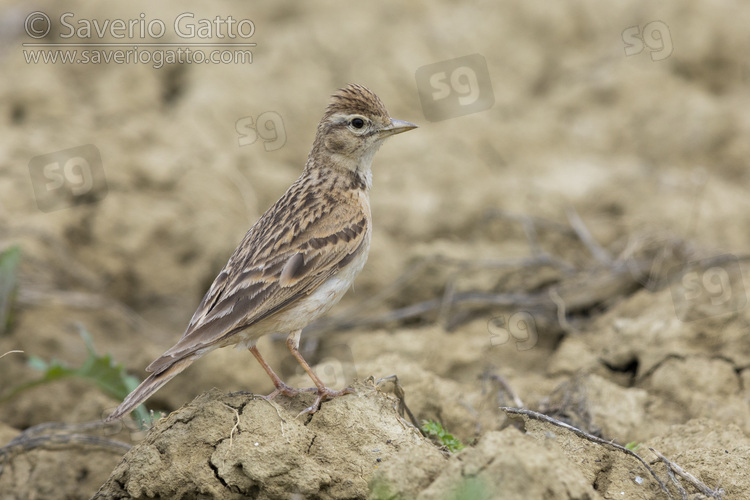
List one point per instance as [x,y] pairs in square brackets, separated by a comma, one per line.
[336,369]
[520,327]
[655,36]
[268,126]
[457,87]
[67,178]
[709,287]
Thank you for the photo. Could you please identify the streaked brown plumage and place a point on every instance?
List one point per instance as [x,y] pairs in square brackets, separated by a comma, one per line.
[299,258]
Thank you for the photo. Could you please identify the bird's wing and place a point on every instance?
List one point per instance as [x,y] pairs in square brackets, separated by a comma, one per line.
[273,267]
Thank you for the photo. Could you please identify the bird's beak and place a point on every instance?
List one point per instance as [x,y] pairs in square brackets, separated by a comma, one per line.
[396,127]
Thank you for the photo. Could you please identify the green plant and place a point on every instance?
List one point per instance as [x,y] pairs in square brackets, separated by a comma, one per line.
[633,445]
[471,488]
[435,430]
[10,259]
[468,488]
[99,370]
[381,490]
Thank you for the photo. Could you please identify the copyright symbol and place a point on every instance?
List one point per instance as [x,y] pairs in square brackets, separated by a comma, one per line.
[37,24]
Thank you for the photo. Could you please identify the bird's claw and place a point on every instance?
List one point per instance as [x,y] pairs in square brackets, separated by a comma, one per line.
[286,390]
[324,394]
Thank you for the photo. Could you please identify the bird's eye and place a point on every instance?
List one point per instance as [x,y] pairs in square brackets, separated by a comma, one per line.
[358,123]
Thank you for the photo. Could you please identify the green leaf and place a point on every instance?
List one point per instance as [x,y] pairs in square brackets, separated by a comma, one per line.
[9,262]
[111,378]
[101,371]
[633,445]
[436,431]
[471,488]
[37,363]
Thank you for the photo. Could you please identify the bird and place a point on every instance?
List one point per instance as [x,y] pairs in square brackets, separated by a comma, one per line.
[298,259]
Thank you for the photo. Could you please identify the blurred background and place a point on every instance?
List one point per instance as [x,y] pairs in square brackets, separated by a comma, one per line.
[127,179]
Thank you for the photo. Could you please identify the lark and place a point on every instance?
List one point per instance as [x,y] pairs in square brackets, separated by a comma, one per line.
[298,259]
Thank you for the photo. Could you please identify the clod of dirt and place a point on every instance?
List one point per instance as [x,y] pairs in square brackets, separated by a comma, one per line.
[504,464]
[717,454]
[600,407]
[237,446]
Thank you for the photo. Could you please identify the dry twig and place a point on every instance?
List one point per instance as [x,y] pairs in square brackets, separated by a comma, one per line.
[574,292]
[671,466]
[399,392]
[56,435]
[585,435]
[505,385]
[586,237]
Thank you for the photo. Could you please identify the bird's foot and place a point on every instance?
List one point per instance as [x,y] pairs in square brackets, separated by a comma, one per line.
[287,390]
[324,394]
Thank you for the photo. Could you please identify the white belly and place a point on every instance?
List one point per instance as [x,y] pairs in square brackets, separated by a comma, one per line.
[325,297]
[307,309]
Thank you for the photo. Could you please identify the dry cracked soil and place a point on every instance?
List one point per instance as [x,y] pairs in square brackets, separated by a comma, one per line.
[566,233]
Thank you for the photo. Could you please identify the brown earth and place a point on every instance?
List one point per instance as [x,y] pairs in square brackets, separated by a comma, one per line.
[620,337]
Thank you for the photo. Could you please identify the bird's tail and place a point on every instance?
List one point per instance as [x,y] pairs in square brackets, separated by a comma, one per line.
[153,383]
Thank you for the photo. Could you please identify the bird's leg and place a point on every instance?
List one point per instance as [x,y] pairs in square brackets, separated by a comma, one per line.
[323,392]
[281,387]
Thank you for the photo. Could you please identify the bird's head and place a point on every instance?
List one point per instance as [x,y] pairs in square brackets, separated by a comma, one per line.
[354,126]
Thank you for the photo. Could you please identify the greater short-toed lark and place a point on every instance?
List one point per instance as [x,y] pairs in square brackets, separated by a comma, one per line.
[301,256]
